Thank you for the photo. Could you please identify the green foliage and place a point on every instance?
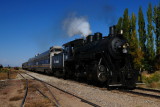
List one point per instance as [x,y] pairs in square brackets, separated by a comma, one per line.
[157,62]
[134,43]
[150,54]
[142,45]
[4,70]
[126,25]
[119,25]
[141,30]
[156,20]
[134,49]
[150,40]
[152,80]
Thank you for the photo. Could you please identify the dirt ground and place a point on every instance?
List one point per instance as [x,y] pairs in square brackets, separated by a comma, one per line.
[36,99]
[12,92]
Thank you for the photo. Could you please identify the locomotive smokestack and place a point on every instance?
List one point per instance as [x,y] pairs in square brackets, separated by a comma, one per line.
[112,30]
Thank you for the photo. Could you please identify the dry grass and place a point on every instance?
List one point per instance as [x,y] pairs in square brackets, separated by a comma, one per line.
[154,85]
[24,83]
[13,74]
[5,71]
[16,98]
[45,89]
[39,103]
[3,75]
[10,105]
[5,93]
[20,91]
[31,85]
[3,84]
[152,80]
[32,89]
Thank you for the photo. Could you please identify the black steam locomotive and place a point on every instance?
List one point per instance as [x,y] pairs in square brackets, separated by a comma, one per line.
[104,60]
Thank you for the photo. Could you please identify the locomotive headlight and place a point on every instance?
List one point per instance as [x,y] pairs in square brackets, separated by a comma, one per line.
[124,46]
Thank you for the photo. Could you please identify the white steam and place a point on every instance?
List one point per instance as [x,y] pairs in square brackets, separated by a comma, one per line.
[76,26]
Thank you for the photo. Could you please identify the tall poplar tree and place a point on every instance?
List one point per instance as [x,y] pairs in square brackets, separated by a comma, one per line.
[141,30]
[126,25]
[119,25]
[134,49]
[142,35]
[134,43]
[156,19]
[150,40]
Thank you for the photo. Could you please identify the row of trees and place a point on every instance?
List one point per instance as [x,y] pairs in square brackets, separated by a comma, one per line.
[144,42]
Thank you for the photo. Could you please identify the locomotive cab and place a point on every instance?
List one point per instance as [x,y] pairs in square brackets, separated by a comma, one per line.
[69,48]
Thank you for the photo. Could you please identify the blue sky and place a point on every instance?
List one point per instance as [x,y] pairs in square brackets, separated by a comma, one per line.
[28,27]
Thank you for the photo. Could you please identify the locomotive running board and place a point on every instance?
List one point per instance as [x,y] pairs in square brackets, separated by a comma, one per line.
[115,85]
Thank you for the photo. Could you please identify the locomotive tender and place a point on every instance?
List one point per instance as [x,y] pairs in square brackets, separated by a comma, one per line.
[104,60]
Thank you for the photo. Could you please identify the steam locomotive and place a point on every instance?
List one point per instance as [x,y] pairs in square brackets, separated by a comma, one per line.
[104,60]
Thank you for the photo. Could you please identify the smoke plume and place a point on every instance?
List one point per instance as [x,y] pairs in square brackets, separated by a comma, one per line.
[76,26]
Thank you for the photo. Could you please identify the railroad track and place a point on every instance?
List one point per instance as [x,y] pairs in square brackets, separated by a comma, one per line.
[26,92]
[147,89]
[83,100]
[143,92]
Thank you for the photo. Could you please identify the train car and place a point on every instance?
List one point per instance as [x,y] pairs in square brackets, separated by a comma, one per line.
[42,62]
[104,60]
[25,66]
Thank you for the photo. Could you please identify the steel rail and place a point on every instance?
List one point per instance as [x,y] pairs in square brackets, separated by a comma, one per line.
[140,93]
[26,91]
[148,89]
[56,101]
[46,96]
